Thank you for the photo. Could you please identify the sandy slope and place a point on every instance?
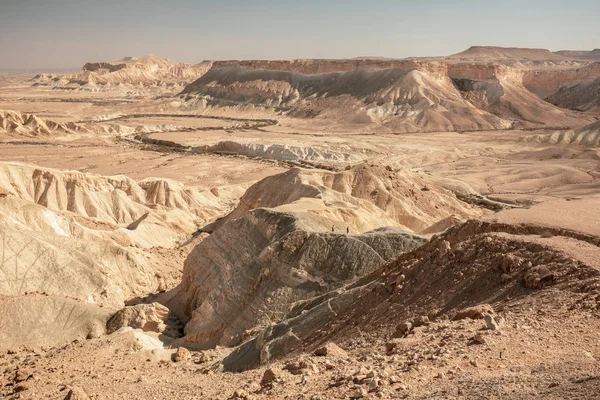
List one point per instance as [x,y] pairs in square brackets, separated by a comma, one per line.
[588,136]
[91,242]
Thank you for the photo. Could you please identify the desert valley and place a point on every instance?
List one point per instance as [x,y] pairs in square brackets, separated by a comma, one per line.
[303,229]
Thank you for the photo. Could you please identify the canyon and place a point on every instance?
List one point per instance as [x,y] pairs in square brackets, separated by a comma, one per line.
[327,228]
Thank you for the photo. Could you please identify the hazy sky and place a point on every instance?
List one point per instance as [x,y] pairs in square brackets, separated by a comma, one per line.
[67,33]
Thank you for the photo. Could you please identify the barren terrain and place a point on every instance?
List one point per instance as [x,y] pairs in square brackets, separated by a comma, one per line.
[362,228]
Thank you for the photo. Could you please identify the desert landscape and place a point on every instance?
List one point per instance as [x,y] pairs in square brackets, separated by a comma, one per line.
[303,229]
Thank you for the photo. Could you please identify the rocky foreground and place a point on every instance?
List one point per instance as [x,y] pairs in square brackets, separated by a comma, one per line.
[486,310]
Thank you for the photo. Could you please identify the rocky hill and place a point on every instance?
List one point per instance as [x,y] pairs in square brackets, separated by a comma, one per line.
[475,264]
[253,269]
[363,198]
[89,244]
[14,123]
[580,54]
[149,71]
[584,96]
[445,94]
[298,235]
[506,53]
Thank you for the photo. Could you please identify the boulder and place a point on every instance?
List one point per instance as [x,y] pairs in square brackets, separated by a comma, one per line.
[538,277]
[403,329]
[420,321]
[330,349]
[76,393]
[181,355]
[491,323]
[21,387]
[270,376]
[478,339]
[476,312]
[201,357]
[22,375]
[152,317]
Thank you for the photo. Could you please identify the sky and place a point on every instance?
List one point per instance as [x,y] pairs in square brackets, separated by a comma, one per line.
[68,33]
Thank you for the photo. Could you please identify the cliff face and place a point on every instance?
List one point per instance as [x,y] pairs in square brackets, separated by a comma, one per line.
[545,83]
[593,55]
[315,67]
[401,95]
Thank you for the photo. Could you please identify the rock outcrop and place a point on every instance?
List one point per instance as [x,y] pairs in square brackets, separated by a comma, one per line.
[89,243]
[254,268]
[36,320]
[114,202]
[363,197]
[438,282]
[584,96]
[588,136]
[126,74]
[483,88]
[282,152]
[15,123]
[153,317]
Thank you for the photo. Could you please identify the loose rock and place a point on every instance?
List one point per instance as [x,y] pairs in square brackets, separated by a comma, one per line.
[22,375]
[403,329]
[77,393]
[181,355]
[331,349]
[420,321]
[201,357]
[491,323]
[476,312]
[478,339]
[269,377]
